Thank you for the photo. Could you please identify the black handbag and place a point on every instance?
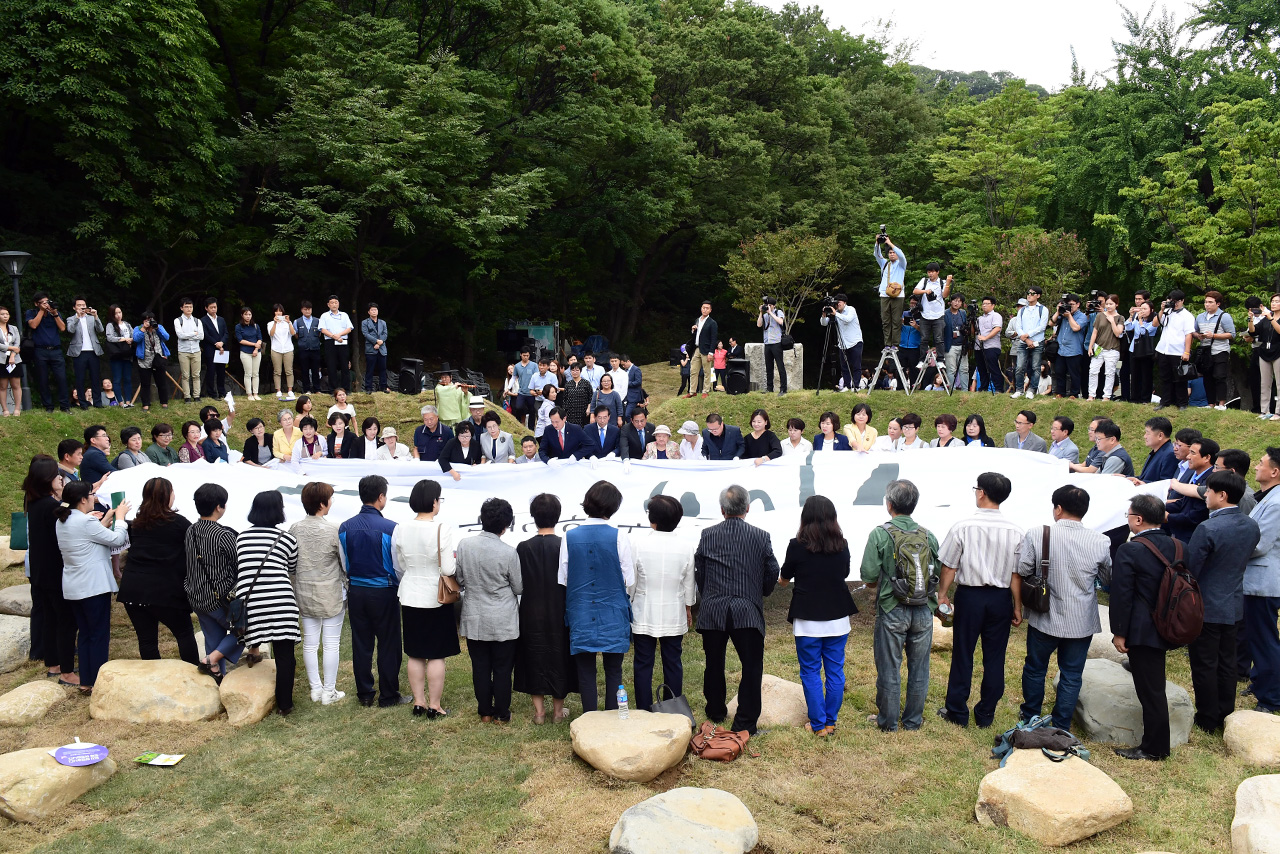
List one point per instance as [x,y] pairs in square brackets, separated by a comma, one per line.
[676,704]
[238,606]
[788,342]
[1204,353]
[1187,371]
[1035,588]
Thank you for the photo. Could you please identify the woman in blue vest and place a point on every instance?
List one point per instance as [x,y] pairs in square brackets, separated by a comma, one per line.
[597,569]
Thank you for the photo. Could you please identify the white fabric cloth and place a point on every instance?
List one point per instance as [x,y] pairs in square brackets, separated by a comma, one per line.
[416,545]
[664,584]
[820,628]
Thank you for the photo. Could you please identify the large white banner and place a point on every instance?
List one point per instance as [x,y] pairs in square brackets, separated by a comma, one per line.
[855,482]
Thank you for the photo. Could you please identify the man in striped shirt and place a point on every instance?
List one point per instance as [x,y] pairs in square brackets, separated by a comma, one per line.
[980,554]
[1078,557]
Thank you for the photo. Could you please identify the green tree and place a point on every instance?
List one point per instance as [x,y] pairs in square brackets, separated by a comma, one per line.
[1056,261]
[791,265]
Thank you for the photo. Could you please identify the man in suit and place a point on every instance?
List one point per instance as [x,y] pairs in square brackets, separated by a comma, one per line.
[735,349]
[602,437]
[636,436]
[635,394]
[1184,513]
[562,440]
[1135,584]
[96,465]
[1060,432]
[705,335]
[214,341]
[1022,437]
[85,351]
[1162,462]
[734,568]
[1217,555]
[1262,586]
[721,441]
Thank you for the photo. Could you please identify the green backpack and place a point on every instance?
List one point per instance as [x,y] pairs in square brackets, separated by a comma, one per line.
[915,578]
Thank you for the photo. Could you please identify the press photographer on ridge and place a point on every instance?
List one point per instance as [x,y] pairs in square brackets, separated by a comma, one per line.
[850,343]
[771,320]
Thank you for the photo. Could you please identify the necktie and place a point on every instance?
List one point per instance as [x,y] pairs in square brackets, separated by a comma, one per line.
[560,434]
[602,438]
[494,452]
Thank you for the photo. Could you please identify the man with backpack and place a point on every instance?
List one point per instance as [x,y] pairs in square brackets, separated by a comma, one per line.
[1135,590]
[981,555]
[901,560]
[1076,557]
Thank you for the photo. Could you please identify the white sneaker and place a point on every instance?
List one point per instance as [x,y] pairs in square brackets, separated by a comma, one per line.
[1016,395]
[279,395]
[1221,407]
[1031,396]
[317,694]
[1264,416]
[331,697]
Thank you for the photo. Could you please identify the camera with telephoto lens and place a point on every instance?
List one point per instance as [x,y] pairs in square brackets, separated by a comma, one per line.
[1062,305]
[827,304]
[883,236]
[1095,302]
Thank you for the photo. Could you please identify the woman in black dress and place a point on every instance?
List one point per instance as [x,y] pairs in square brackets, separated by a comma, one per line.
[42,490]
[761,444]
[543,664]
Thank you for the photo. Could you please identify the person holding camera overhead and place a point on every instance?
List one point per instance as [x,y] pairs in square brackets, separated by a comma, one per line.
[850,344]
[1028,349]
[893,272]
[933,293]
[771,320]
[1069,329]
[1177,326]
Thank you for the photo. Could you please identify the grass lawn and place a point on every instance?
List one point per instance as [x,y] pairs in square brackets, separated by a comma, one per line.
[343,777]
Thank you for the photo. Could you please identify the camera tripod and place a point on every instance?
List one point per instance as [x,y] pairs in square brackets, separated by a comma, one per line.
[890,353]
[930,360]
[826,352]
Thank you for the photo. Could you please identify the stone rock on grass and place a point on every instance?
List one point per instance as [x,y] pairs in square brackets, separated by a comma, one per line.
[15,641]
[1054,803]
[941,636]
[686,821]
[1256,826]
[1109,710]
[145,692]
[1101,645]
[16,600]
[637,749]
[30,702]
[34,787]
[781,704]
[1254,737]
[249,694]
[8,556]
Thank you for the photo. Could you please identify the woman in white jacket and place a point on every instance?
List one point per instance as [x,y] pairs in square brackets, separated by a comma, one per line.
[423,550]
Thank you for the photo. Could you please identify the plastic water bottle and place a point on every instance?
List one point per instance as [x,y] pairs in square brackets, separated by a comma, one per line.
[622,703]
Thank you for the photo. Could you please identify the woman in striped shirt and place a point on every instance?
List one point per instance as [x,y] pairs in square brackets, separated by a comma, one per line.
[267,559]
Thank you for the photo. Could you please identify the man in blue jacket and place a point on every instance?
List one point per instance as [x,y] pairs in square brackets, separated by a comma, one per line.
[1071,329]
[1162,462]
[1186,512]
[1262,586]
[372,601]
[721,441]
[96,465]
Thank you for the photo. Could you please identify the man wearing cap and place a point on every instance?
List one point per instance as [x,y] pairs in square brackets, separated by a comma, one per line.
[391,448]
[477,413]
[690,441]
[431,436]
[335,327]
[602,437]
[850,344]
[562,440]
[451,399]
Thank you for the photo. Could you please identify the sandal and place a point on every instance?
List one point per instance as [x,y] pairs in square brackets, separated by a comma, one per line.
[432,714]
[540,719]
[252,658]
[68,684]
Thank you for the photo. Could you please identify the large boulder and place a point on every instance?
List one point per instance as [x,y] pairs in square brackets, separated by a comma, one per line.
[1101,645]
[941,636]
[33,787]
[781,703]
[1254,737]
[1256,826]
[1054,803]
[249,693]
[146,692]
[637,749]
[1109,711]
[686,821]
[30,702]
[16,600]
[15,641]
[8,556]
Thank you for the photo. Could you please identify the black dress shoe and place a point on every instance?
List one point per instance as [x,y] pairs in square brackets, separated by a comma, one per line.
[942,713]
[420,711]
[1136,753]
[367,702]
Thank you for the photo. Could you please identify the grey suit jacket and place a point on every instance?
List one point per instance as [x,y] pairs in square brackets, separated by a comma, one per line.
[1262,573]
[506,447]
[489,574]
[1033,443]
[73,329]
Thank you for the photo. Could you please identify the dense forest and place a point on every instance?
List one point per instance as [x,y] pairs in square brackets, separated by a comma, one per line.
[467,162]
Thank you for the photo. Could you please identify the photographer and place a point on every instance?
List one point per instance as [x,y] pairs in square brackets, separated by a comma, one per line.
[1264,331]
[893,272]
[933,295]
[770,318]
[1178,326]
[1032,320]
[85,350]
[956,340]
[987,344]
[47,323]
[1215,329]
[909,344]
[152,353]
[850,344]
[1070,324]
[1108,332]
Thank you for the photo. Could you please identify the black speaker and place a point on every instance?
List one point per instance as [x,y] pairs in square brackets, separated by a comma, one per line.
[674,356]
[410,376]
[738,380]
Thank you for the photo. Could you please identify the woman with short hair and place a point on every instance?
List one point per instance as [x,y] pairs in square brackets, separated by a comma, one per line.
[761,444]
[283,440]
[946,425]
[488,571]
[796,444]
[310,445]
[257,449]
[266,561]
[861,435]
[320,583]
[661,600]
[827,438]
[340,444]
[132,455]
[424,551]
[596,568]
[42,492]
[214,445]
[211,574]
[368,443]
[190,450]
[543,665]
[818,560]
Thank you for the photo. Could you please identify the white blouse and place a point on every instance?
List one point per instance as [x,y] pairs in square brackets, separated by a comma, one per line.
[424,552]
[664,584]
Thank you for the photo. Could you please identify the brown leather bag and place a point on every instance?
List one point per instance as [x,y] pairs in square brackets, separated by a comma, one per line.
[448,592]
[722,745]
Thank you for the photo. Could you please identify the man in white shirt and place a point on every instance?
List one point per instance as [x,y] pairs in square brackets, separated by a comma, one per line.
[591,372]
[391,448]
[849,328]
[335,327]
[190,332]
[619,377]
[1174,347]
[933,293]
[84,327]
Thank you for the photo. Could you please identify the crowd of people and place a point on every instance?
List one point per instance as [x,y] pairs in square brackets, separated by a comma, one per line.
[536,616]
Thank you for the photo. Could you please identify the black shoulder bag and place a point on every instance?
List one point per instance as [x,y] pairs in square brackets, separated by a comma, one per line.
[238,606]
[1035,588]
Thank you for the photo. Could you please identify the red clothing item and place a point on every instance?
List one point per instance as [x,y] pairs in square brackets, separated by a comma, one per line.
[719,357]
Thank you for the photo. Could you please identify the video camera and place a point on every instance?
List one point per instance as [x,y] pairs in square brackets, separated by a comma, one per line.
[883,236]
[1095,302]
[827,304]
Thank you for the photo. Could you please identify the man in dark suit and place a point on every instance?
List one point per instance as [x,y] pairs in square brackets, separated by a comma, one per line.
[734,568]
[736,350]
[1184,513]
[635,390]
[1135,586]
[602,437]
[705,335]
[721,441]
[562,440]
[215,341]
[636,436]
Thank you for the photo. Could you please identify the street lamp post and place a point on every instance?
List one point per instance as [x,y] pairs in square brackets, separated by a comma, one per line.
[15,263]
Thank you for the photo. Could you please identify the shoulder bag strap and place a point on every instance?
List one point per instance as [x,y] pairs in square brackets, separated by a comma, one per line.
[1155,550]
[256,575]
[1044,555]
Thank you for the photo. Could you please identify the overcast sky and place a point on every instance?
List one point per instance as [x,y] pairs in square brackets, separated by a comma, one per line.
[1031,38]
